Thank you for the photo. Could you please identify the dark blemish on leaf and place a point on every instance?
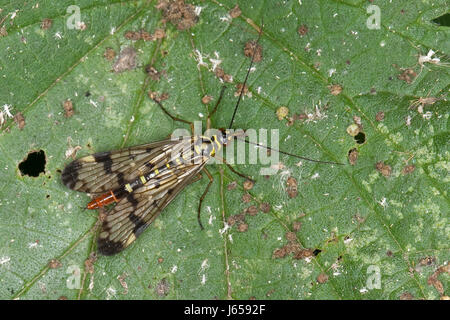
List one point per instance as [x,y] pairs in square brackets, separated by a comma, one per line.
[302,30]
[294,247]
[126,60]
[222,75]
[3,32]
[357,121]
[383,168]
[408,169]
[46,24]
[334,239]
[322,278]
[54,264]
[109,54]
[264,207]
[353,156]
[47,196]
[270,292]
[159,34]
[89,262]
[162,288]
[406,296]
[163,96]
[232,185]
[408,75]
[427,261]
[358,218]
[146,36]
[237,218]
[34,164]
[244,88]
[20,120]
[206,99]
[290,236]
[303,254]
[301,116]
[379,116]
[282,112]
[159,97]
[154,74]
[235,12]
[123,283]
[296,226]
[242,227]
[335,89]
[68,108]
[435,282]
[248,184]
[246,198]
[292,187]
[360,138]
[178,13]
[421,102]
[253,49]
[252,210]
[132,35]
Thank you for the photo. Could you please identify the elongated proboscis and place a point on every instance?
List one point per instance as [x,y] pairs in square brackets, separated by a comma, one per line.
[291,154]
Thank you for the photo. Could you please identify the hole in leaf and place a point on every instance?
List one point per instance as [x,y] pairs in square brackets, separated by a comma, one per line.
[316,252]
[34,164]
[443,20]
[360,138]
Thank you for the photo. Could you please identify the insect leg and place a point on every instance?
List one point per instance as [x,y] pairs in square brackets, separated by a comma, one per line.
[208,120]
[211,179]
[173,117]
[234,170]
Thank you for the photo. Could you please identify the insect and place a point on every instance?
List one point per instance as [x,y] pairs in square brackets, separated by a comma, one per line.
[142,180]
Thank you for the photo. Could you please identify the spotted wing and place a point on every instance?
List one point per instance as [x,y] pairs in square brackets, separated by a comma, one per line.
[104,171]
[133,214]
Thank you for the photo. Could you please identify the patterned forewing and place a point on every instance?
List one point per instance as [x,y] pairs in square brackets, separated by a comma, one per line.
[104,171]
[133,214]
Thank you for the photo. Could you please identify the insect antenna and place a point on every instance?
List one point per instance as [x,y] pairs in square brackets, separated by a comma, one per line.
[239,100]
[291,154]
[246,76]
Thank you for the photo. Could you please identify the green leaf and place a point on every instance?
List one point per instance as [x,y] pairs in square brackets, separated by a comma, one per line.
[370,233]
